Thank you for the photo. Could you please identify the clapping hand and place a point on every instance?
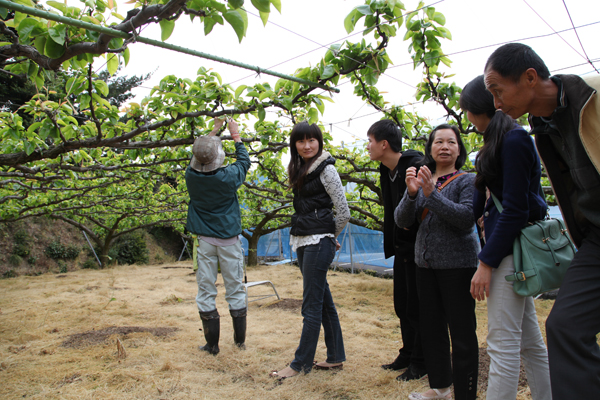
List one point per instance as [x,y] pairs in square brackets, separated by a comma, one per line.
[412,182]
[425,178]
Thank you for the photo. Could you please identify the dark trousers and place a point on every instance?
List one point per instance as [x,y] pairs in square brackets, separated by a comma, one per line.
[317,307]
[406,305]
[571,328]
[446,302]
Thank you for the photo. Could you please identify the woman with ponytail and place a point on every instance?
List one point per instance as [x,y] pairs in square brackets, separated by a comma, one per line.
[509,168]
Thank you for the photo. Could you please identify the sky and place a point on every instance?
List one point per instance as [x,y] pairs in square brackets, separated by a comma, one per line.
[305,28]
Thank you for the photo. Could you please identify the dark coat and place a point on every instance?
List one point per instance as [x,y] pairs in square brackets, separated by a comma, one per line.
[397,240]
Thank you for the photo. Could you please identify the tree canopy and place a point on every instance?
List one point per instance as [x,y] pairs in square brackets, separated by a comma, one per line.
[110,171]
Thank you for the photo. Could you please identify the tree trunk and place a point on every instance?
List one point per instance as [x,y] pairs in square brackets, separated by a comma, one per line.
[253,249]
[103,256]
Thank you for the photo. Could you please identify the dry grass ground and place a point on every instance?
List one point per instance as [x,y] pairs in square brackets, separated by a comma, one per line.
[58,338]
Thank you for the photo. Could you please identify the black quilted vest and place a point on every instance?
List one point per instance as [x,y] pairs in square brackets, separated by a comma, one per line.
[313,206]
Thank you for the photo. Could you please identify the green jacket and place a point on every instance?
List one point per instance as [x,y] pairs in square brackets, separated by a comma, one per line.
[214,209]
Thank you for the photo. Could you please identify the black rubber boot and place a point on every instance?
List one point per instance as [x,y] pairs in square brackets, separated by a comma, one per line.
[212,329]
[239,327]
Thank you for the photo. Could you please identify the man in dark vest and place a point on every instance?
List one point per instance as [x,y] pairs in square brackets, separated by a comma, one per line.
[564,113]
[385,146]
[214,215]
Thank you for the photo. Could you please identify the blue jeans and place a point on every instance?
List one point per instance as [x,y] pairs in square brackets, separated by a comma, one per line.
[317,307]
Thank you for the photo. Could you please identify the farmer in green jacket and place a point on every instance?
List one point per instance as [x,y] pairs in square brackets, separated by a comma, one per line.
[214,215]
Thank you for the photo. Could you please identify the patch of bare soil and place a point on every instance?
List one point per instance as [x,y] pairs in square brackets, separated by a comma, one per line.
[90,338]
[286,305]
[484,367]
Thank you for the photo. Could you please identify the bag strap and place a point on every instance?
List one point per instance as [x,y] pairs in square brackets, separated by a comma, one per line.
[439,189]
[496,202]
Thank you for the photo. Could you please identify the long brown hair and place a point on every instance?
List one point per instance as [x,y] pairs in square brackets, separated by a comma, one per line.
[297,168]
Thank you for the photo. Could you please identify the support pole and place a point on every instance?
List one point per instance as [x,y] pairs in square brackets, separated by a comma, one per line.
[113,32]
[92,247]
[351,242]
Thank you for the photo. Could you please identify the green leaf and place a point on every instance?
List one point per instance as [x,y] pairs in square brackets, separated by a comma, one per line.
[261,114]
[262,5]
[239,90]
[25,28]
[415,25]
[59,6]
[32,70]
[3,13]
[218,6]
[444,32]
[57,33]
[166,29]
[319,104]
[364,10]
[439,18]
[328,72]
[264,17]
[446,61]
[126,56]
[313,115]
[112,64]
[235,3]
[234,18]
[101,86]
[430,11]
[277,5]
[349,21]
[209,23]
[115,43]
[53,49]
[29,147]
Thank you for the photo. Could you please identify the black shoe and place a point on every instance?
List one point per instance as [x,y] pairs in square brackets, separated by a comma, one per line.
[399,363]
[411,373]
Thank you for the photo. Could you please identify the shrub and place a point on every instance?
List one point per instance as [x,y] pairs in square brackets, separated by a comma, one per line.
[21,250]
[15,260]
[71,252]
[31,260]
[131,249]
[62,267]
[90,263]
[21,237]
[9,274]
[55,250]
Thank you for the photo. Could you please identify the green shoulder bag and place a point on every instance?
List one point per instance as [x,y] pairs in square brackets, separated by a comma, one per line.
[542,253]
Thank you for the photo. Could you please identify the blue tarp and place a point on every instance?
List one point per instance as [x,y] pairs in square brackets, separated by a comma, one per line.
[367,246]
[360,246]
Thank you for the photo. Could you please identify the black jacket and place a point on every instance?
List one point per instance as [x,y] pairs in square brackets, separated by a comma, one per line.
[397,240]
[313,206]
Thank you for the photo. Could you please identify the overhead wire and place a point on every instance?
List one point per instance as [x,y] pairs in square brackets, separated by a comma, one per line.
[550,26]
[336,41]
[501,43]
[578,38]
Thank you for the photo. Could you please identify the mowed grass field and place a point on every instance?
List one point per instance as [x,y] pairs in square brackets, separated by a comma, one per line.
[59,334]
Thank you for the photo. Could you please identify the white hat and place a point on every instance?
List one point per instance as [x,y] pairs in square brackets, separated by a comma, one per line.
[208,154]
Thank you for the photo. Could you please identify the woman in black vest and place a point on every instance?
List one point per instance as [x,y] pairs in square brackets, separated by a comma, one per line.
[317,190]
